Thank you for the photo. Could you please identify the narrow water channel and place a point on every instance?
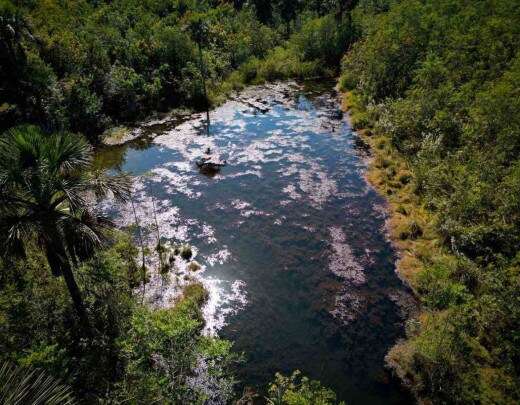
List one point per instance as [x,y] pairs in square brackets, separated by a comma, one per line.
[289,234]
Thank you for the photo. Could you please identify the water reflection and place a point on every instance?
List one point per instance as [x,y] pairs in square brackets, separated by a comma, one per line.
[289,235]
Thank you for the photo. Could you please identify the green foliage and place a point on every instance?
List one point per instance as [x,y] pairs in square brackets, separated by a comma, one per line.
[37,326]
[438,288]
[313,51]
[322,39]
[136,352]
[159,352]
[168,361]
[298,390]
[443,78]
[83,65]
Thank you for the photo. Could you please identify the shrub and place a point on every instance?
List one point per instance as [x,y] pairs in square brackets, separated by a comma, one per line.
[164,351]
[298,390]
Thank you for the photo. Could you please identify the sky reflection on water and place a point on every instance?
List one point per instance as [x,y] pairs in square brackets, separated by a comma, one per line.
[290,236]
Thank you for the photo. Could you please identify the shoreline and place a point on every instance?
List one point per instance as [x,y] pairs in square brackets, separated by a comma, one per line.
[409,225]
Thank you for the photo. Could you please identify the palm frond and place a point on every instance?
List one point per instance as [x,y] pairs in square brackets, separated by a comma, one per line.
[84,232]
[15,231]
[72,192]
[67,153]
[47,192]
[18,153]
[27,144]
[24,386]
[119,185]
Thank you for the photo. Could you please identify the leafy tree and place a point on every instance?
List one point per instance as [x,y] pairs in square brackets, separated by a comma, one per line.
[440,80]
[167,359]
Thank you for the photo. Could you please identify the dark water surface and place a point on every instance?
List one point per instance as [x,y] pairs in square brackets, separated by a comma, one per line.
[290,236]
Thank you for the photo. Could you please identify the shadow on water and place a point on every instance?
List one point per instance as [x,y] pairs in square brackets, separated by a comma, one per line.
[291,238]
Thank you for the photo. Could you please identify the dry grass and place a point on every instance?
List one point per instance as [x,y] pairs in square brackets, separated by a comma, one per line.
[411,226]
[116,135]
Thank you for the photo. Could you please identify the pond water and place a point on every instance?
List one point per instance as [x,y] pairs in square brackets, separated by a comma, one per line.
[289,234]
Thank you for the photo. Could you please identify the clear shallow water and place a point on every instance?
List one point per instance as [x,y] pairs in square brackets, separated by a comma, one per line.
[290,236]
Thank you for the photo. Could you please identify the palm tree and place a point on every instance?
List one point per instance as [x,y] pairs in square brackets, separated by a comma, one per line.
[48,193]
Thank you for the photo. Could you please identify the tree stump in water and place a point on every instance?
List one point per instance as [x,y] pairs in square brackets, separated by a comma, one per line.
[210,165]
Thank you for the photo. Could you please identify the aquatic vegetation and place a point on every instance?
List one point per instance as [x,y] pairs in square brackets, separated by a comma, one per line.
[194,266]
[186,252]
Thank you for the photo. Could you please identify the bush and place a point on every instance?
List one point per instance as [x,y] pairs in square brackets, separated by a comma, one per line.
[165,353]
[298,390]
[438,289]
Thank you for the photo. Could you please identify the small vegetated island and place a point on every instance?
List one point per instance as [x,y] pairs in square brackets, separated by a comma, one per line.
[432,87]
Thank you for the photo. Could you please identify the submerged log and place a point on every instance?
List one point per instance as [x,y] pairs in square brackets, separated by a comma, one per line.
[257,105]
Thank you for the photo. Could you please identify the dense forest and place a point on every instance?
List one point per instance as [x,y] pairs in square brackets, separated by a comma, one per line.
[84,66]
[440,81]
[433,86]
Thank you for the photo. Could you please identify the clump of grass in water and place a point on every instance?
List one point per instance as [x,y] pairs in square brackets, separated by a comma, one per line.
[194,266]
[186,252]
